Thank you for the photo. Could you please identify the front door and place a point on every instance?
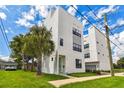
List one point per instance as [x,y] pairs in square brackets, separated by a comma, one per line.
[61,64]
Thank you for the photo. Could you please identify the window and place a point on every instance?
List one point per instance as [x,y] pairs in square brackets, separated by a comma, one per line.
[98,52]
[77,47]
[61,42]
[76,32]
[97,42]
[86,46]
[52,59]
[78,63]
[87,55]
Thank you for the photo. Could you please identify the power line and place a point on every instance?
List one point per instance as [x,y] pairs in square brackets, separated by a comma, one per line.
[101,23]
[92,12]
[94,26]
[4,34]
[4,30]
[0,44]
[115,37]
[4,37]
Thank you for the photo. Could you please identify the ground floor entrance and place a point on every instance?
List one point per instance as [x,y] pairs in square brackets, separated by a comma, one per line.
[61,64]
[91,66]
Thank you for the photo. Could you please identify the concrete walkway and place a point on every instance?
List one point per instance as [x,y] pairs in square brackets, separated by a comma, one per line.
[58,83]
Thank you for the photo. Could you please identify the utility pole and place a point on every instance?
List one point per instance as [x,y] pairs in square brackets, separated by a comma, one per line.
[109,46]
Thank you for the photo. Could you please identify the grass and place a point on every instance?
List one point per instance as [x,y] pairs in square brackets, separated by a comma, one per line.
[84,74]
[110,82]
[22,79]
[118,70]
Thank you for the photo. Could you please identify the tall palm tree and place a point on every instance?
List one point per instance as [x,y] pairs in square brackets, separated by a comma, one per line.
[38,44]
[28,48]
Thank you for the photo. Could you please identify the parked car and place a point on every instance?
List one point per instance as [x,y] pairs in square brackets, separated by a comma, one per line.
[10,68]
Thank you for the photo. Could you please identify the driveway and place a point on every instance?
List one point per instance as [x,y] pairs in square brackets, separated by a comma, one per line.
[58,83]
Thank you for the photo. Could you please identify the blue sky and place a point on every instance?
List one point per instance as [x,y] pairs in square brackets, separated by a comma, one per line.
[17,19]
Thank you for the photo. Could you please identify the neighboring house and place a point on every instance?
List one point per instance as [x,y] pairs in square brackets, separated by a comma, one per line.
[96,55]
[69,53]
[7,65]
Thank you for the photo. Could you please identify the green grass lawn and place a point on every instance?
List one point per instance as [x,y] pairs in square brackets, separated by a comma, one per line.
[110,82]
[84,74]
[22,79]
[118,70]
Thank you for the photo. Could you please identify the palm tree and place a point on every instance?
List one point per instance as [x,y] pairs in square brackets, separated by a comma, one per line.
[28,48]
[38,44]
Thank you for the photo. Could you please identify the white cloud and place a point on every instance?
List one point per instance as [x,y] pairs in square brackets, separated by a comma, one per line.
[84,22]
[79,18]
[90,14]
[29,15]
[23,22]
[44,9]
[3,7]
[3,15]
[118,53]
[6,31]
[104,10]
[6,58]
[9,31]
[71,10]
[119,23]
[39,23]
[26,17]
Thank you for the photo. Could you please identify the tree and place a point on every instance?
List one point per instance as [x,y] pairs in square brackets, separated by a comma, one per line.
[120,62]
[16,47]
[38,44]
[28,48]
[115,66]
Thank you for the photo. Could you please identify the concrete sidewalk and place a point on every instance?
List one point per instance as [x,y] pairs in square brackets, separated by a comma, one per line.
[58,83]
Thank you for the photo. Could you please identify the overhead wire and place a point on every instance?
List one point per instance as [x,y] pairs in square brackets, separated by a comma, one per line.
[94,26]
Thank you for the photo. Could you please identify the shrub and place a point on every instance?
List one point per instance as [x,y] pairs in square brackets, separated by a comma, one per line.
[98,72]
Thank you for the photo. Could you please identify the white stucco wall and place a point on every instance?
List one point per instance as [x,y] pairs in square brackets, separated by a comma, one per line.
[93,37]
[103,57]
[51,21]
[62,24]
[66,24]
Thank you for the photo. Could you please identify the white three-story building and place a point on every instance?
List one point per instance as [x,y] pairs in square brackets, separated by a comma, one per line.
[69,53]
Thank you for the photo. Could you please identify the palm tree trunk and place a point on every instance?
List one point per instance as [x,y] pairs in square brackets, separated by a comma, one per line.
[27,66]
[39,66]
[32,65]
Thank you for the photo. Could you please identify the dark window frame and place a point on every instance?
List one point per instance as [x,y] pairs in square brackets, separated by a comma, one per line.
[77,47]
[61,42]
[97,42]
[76,32]
[52,59]
[87,55]
[98,52]
[78,63]
[86,46]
